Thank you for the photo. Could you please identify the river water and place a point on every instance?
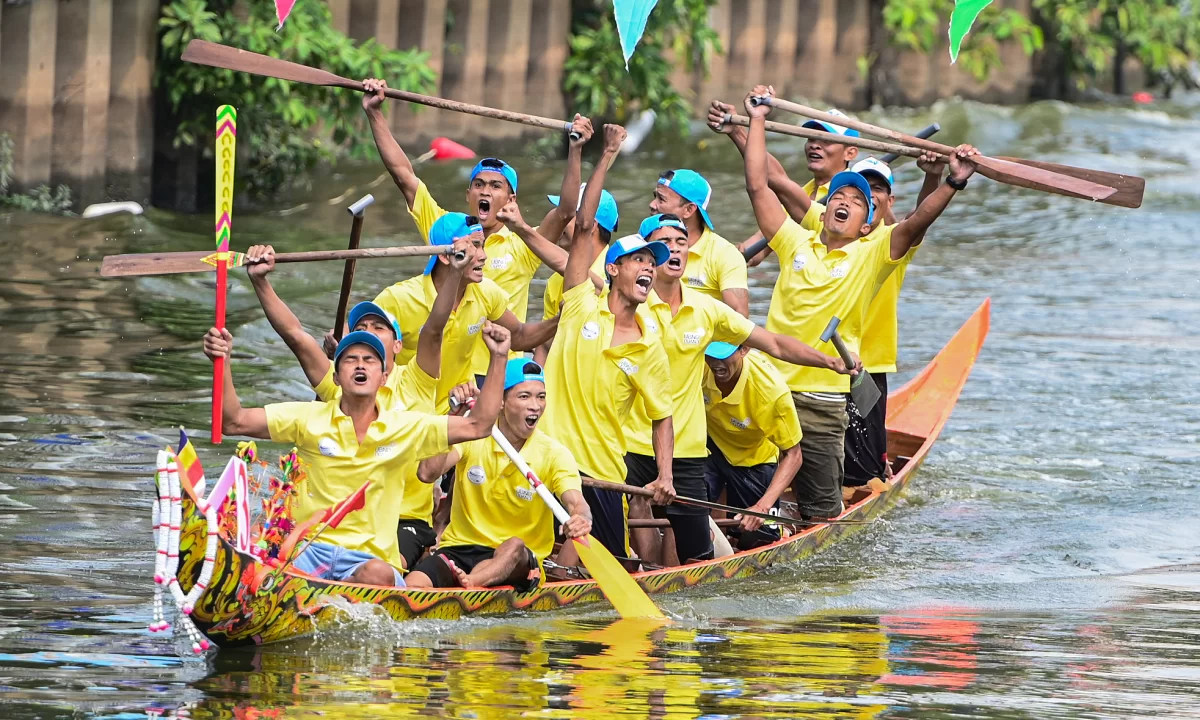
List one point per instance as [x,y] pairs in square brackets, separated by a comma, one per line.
[1010,581]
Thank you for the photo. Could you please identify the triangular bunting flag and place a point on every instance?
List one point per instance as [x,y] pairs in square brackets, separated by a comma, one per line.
[283,8]
[961,20]
[631,18]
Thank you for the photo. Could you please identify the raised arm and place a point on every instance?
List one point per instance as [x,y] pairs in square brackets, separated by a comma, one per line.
[790,193]
[568,196]
[527,336]
[552,255]
[248,422]
[430,469]
[768,212]
[908,231]
[394,159]
[584,250]
[260,261]
[487,408]
[429,341]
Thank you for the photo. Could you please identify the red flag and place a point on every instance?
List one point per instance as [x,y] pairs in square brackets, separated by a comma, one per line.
[349,505]
[283,8]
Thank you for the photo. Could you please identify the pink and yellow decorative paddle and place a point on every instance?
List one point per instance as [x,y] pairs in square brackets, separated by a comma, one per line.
[225,153]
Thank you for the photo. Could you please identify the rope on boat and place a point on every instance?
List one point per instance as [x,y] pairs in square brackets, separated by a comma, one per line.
[167,516]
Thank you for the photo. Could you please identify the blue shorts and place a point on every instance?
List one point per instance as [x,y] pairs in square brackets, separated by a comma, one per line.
[333,562]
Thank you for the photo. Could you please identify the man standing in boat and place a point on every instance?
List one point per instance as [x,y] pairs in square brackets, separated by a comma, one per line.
[500,531]
[717,269]
[827,273]
[688,321]
[753,436]
[604,357]
[345,442]
[511,264]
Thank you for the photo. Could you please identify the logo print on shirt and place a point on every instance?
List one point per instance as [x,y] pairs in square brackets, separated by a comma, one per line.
[525,493]
[840,270]
[651,325]
[476,475]
[740,424]
[500,263]
[472,329]
[385,450]
[329,447]
[627,367]
[591,330]
[698,281]
[693,338]
[798,262]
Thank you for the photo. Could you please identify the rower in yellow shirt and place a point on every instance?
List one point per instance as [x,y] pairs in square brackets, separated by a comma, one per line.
[825,274]
[346,442]
[687,322]
[499,531]
[603,358]
[753,436]
[718,270]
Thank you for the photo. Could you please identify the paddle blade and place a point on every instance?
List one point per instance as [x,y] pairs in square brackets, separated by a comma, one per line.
[169,263]
[1130,188]
[619,587]
[1035,178]
[203,52]
[864,392]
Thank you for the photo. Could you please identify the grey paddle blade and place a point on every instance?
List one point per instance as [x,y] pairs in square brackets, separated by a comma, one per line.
[864,392]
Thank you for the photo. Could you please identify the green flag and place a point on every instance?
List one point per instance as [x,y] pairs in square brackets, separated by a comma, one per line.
[961,20]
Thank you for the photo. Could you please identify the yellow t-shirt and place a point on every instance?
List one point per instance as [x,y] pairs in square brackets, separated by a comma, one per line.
[336,464]
[552,298]
[590,387]
[685,336]
[880,334]
[757,418]
[715,265]
[411,301]
[493,501]
[816,284]
[408,387]
[816,192]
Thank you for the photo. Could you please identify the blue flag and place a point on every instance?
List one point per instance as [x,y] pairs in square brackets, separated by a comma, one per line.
[631,23]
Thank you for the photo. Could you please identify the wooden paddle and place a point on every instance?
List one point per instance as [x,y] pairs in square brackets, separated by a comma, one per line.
[357,210]
[810,134]
[1005,171]
[171,263]
[203,52]
[863,390]
[1130,188]
[622,591]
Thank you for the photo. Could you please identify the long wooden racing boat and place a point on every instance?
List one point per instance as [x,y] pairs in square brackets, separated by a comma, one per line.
[293,605]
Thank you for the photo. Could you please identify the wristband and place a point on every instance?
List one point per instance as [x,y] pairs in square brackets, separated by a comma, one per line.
[955,184]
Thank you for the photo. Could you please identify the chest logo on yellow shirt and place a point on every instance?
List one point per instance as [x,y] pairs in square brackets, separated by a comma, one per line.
[591,330]
[651,325]
[472,329]
[500,263]
[840,270]
[329,447]
[740,424]
[694,337]
[385,450]
[627,367]
[525,493]
[799,262]
[698,281]
[476,474]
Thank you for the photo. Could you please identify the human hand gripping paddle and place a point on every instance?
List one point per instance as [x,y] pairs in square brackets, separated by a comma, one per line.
[863,390]
[203,52]
[1061,180]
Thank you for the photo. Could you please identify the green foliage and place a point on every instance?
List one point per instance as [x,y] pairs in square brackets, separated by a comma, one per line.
[1163,34]
[595,76]
[921,25]
[40,199]
[285,129]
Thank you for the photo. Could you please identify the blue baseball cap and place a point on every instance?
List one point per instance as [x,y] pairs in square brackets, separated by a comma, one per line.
[606,212]
[361,337]
[656,222]
[496,165]
[519,370]
[692,187]
[847,178]
[363,309]
[631,244]
[830,127]
[447,229]
[720,350]
[870,165]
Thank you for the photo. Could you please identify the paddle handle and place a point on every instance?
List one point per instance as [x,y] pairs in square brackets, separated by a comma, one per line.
[560,512]
[363,253]
[854,124]
[681,500]
[925,133]
[356,210]
[831,335]
[480,110]
[810,134]
[218,391]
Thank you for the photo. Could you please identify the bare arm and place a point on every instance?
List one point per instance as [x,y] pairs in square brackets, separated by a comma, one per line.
[907,232]
[768,211]
[430,469]
[789,349]
[568,196]
[429,341]
[487,407]
[261,260]
[663,441]
[248,422]
[552,255]
[580,523]
[789,464]
[933,168]
[738,299]
[397,163]
[527,336]
[583,249]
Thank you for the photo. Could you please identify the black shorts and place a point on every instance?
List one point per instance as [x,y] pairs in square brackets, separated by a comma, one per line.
[689,481]
[466,557]
[609,512]
[866,440]
[415,537]
[743,486]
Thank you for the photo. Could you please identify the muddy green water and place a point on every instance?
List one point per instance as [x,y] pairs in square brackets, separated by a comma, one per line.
[1005,584]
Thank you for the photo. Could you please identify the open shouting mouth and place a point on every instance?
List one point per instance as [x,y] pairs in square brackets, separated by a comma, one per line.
[645,281]
[485,208]
[531,420]
[675,262]
[359,377]
[841,213]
